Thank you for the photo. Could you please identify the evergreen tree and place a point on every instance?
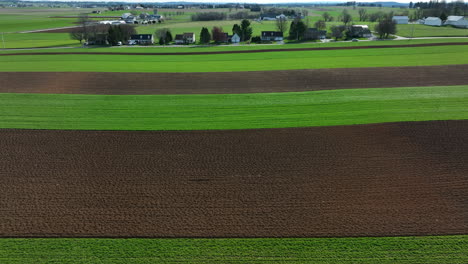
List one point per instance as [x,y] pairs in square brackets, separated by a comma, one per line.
[297,29]
[246,30]
[205,36]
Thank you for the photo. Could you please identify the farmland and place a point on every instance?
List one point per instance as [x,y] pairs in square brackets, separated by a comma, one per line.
[418,56]
[428,31]
[399,250]
[13,21]
[345,152]
[235,111]
[237,183]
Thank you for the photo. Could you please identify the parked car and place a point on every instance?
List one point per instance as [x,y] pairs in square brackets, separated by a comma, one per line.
[355,40]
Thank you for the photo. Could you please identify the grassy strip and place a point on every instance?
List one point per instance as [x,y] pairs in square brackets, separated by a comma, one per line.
[26,40]
[232,111]
[431,249]
[53,40]
[421,56]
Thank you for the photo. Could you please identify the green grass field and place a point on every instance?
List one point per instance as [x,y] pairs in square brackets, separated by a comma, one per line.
[232,111]
[384,250]
[419,56]
[25,19]
[428,31]
[28,40]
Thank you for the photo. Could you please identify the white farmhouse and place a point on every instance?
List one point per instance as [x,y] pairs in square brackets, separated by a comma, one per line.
[186,38]
[457,21]
[433,21]
[400,19]
[235,38]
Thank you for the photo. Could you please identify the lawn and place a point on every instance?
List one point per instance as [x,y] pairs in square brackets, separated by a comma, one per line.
[232,111]
[429,31]
[419,56]
[28,40]
[25,19]
[383,250]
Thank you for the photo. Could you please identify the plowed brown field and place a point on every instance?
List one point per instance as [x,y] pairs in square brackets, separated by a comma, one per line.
[229,82]
[368,180]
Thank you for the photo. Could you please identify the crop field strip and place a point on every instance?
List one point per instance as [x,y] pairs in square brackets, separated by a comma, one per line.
[245,51]
[232,111]
[229,82]
[371,180]
[357,58]
[365,250]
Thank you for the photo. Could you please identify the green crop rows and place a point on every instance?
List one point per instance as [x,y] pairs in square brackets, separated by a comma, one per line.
[232,111]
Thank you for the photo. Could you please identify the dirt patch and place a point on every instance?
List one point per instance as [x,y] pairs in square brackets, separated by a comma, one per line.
[369,180]
[230,82]
[237,51]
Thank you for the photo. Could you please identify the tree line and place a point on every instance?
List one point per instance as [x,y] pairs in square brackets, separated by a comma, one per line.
[101,34]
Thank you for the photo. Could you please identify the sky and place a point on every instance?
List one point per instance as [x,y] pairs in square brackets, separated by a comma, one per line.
[252,1]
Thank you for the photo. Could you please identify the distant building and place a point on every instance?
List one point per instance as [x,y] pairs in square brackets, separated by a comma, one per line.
[433,21]
[282,16]
[272,36]
[131,20]
[142,39]
[400,19]
[268,17]
[186,38]
[457,21]
[125,15]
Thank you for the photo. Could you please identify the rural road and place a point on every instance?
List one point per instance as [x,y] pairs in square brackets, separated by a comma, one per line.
[242,51]
[195,46]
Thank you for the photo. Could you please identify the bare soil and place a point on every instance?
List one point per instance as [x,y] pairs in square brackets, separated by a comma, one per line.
[229,82]
[368,180]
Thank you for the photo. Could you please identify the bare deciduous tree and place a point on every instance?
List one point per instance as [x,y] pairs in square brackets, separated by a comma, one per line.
[82,31]
[320,25]
[281,24]
[362,14]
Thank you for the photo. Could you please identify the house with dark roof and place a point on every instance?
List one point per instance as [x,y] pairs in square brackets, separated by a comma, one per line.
[272,36]
[141,39]
[186,38]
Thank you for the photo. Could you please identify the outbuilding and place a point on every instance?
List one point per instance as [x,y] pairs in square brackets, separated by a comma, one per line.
[433,21]
[400,19]
[457,21]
